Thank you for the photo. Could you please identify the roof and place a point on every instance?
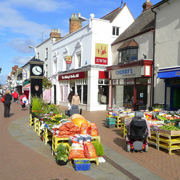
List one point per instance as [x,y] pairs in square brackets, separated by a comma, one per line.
[160,3]
[110,16]
[131,43]
[142,24]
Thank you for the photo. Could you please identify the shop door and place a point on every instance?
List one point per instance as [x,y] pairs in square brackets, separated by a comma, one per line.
[175,98]
[54,94]
[141,97]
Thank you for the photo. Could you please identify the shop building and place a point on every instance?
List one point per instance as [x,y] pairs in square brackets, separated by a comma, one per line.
[131,77]
[167,58]
[80,58]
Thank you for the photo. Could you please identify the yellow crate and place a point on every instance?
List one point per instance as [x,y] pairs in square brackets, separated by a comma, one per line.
[31,120]
[47,136]
[96,138]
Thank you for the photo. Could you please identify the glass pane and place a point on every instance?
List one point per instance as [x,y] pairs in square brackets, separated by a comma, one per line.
[100,81]
[84,94]
[79,91]
[113,31]
[106,81]
[117,31]
[128,98]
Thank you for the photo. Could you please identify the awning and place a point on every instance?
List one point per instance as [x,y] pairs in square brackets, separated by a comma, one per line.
[169,73]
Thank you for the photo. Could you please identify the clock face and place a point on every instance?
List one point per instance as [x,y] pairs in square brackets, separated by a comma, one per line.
[37,70]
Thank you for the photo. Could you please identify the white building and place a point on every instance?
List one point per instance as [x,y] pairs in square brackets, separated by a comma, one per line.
[80,58]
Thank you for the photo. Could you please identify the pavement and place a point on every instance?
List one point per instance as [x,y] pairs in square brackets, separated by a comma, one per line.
[23,156]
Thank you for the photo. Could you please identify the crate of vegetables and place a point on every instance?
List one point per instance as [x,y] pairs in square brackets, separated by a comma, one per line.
[170,130]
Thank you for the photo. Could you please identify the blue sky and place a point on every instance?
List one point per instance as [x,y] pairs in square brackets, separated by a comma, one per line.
[28,22]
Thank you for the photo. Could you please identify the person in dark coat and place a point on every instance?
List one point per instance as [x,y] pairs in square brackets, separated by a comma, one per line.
[7,103]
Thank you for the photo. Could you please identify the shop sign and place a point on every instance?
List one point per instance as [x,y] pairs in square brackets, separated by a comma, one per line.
[68,60]
[79,75]
[101,54]
[174,82]
[131,72]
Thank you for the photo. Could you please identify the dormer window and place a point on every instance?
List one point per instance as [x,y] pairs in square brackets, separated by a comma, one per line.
[115,31]
[128,52]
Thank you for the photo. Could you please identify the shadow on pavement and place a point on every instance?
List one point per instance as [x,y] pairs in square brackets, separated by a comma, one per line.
[120,142]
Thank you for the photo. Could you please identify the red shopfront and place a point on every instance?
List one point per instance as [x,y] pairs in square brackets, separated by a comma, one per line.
[76,81]
[130,85]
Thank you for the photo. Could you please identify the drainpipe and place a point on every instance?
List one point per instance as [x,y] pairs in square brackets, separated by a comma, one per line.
[153,65]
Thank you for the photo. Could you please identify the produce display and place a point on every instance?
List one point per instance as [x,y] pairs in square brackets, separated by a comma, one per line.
[72,138]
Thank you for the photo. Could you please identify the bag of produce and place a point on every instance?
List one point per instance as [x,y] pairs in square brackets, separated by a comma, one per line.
[89,150]
[77,151]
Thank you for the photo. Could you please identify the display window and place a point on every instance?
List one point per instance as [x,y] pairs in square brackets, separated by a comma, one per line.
[81,89]
[103,91]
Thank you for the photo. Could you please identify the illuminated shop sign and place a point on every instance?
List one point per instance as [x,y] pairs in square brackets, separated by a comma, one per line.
[80,75]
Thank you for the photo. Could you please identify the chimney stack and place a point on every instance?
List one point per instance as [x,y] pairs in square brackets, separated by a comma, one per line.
[147,5]
[74,23]
[55,33]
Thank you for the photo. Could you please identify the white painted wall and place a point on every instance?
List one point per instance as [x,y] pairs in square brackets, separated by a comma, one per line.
[41,49]
[84,41]
[167,49]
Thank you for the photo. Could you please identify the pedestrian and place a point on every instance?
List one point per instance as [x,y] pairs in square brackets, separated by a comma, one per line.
[7,103]
[75,100]
[70,97]
[15,95]
[23,99]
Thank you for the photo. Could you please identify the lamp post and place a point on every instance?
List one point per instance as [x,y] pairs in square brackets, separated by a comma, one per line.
[32,47]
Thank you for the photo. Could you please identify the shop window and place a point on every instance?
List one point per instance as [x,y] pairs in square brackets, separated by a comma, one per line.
[82,92]
[103,91]
[115,31]
[128,55]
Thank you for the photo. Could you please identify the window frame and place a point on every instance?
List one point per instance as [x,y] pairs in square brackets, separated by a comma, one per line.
[127,54]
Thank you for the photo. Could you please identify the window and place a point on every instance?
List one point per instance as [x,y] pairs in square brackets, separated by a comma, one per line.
[46,70]
[38,55]
[128,55]
[46,54]
[115,31]
[103,91]
[82,90]
[79,60]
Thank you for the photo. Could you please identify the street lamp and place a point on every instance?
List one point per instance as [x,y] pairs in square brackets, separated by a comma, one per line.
[32,47]
[84,19]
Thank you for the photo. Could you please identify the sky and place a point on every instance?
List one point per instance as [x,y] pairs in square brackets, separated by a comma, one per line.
[29,22]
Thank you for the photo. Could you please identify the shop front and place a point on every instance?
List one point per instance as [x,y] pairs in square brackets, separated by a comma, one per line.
[77,82]
[91,85]
[171,78]
[130,85]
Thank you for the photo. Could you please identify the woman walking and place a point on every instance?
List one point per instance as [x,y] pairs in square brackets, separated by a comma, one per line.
[7,103]
[23,98]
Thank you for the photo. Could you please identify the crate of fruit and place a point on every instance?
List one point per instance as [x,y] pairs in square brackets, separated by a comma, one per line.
[82,165]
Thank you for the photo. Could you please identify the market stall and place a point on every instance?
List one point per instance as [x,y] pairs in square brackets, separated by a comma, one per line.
[73,139]
[164,126]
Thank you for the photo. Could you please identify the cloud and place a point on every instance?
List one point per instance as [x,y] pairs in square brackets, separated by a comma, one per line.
[22,46]
[42,5]
[21,60]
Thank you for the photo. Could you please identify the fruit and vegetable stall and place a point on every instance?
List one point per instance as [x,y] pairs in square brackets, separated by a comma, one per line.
[73,139]
[164,125]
